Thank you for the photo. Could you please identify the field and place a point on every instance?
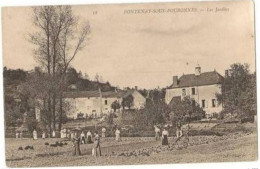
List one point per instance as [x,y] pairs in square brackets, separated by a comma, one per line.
[240,146]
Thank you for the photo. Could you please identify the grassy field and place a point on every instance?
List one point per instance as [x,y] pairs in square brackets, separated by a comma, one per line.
[242,148]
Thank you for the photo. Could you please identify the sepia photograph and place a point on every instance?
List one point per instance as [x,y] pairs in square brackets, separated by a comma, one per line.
[129,84]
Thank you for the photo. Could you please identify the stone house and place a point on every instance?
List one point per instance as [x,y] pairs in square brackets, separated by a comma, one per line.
[200,87]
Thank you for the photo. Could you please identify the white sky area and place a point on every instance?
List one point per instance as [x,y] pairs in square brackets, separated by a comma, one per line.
[145,50]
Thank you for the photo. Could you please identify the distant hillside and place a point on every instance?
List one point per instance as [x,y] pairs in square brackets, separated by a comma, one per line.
[15,77]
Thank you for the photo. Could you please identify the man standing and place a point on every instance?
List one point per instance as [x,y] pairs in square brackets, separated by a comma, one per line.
[157,133]
[76,141]
[97,144]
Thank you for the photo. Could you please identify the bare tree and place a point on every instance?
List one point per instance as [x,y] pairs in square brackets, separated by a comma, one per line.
[58,41]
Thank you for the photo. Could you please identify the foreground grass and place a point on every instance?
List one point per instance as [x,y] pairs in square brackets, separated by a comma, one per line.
[240,149]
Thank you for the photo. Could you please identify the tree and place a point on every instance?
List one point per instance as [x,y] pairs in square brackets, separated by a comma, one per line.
[58,40]
[185,111]
[238,92]
[128,102]
[115,105]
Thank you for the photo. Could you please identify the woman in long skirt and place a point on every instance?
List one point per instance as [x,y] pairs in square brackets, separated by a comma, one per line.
[89,137]
[118,135]
[34,134]
[165,135]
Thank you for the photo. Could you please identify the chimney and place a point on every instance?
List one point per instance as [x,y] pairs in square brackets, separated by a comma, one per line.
[175,81]
[136,88]
[228,73]
[197,70]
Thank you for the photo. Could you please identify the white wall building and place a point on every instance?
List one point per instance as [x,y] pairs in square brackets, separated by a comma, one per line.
[95,102]
[201,87]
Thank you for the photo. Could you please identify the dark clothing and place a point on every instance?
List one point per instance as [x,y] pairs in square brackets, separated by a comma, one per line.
[89,141]
[97,145]
[83,140]
[76,143]
[165,140]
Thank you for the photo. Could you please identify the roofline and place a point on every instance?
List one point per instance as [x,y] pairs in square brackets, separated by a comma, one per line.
[193,86]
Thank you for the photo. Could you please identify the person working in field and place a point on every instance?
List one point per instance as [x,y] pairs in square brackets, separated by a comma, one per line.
[165,135]
[157,133]
[118,135]
[97,148]
[43,135]
[89,137]
[76,144]
[104,132]
[34,134]
[178,130]
[82,138]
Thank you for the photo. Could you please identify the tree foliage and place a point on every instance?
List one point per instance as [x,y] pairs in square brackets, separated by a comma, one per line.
[238,92]
[128,102]
[185,111]
[115,105]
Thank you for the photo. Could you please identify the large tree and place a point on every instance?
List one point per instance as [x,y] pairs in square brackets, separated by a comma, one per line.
[238,92]
[58,39]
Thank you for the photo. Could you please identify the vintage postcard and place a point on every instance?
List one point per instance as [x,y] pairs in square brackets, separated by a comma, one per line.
[121,84]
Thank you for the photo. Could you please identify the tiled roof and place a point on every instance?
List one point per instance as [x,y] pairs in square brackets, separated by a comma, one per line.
[206,78]
[108,94]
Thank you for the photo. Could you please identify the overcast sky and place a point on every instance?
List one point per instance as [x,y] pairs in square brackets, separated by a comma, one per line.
[146,50]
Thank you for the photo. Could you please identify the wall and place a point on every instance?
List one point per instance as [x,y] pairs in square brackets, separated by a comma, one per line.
[139,100]
[90,106]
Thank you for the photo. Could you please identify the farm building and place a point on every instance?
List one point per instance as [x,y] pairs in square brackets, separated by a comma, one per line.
[96,103]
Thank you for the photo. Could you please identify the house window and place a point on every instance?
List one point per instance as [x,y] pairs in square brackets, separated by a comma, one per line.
[203,103]
[213,102]
[183,92]
[193,91]
[105,102]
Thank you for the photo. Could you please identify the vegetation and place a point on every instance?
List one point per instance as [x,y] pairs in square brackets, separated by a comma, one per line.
[238,93]
[185,111]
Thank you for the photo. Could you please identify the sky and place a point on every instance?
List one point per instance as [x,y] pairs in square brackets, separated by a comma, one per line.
[146,49]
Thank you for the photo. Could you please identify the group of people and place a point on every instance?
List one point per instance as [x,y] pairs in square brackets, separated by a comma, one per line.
[96,150]
[80,139]
[19,134]
[165,133]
